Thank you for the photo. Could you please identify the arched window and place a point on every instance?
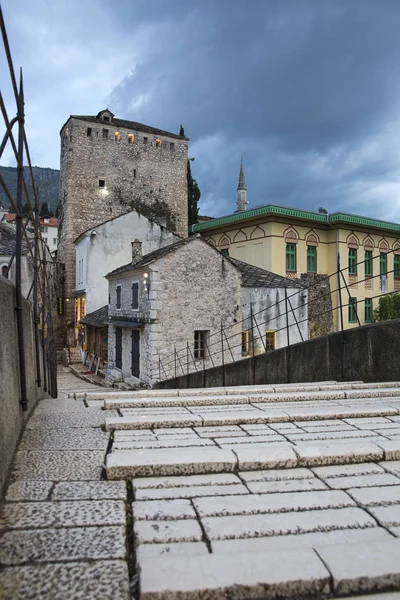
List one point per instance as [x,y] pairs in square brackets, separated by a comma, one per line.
[4,270]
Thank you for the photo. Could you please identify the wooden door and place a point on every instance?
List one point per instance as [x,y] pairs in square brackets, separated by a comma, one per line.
[118,347]
[135,353]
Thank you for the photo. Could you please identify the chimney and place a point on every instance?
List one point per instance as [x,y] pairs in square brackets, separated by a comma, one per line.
[136,251]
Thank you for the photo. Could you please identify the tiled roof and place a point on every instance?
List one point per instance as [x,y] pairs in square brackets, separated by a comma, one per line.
[97,318]
[50,221]
[152,256]
[133,125]
[255,277]
[9,217]
[7,240]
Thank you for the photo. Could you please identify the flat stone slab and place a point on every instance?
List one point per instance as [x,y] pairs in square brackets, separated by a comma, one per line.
[312,454]
[160,510]
[88,438]
[289,485]
[150,422]
[167,531]
[363,481]
[171,549]
[363,568]
[73,465]
[221,479]
[388,516]
[129,463]
[29,491]
[377,496]
[62,545]
[301,540]
[67,581]
[90,417]
[365,468]
[62,514]
[191,492]
[236,527]
[91,490]
[240,576]
[271,503]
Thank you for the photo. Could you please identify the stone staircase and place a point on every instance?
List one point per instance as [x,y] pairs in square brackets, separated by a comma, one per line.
[230,483]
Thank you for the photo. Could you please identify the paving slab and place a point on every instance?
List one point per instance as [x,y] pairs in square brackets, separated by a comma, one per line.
[31,491]
[236,527]
[93,490]
[360,568]
[314,455]
[392,466]
[171,549]
[150,422]
[79,438]
[167,531]
[377,496]
[289,485]
[178,442]
[58,545]
[276,474]
[190,491]
[271,503]
[301,540]
[365,468]
[387,516]
[160,510]
[363,481]
[73,465]
[79,513]
[185,481]
[90,417]
[241,576]
[141,463]
[276,457]
[67,581]
[391,449]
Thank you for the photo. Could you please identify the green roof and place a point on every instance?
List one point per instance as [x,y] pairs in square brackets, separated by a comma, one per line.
[306,215]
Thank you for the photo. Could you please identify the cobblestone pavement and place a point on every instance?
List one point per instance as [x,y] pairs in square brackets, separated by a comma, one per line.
[286,491]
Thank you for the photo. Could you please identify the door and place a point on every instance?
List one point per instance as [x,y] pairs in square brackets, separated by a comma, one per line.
[135,353]
[118,347]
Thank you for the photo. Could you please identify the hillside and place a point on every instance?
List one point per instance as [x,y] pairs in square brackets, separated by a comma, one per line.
[48,181]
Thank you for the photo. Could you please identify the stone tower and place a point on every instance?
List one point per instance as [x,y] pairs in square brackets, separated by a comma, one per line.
[110,166]
[241,191]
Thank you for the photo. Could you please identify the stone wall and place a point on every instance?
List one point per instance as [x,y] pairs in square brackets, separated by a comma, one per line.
[12,419]
[320,315]
[143,175]
[368,353]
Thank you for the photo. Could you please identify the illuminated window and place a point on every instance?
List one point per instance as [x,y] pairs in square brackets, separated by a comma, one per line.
[352,261]
[290,257]
[117,136]
[158,142]
[131,138]
[66,132]
[269,341]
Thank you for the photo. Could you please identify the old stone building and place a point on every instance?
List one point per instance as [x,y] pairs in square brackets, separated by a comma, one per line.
[110,166]
[187,307]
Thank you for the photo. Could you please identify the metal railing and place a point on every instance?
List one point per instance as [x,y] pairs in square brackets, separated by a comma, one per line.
[41,290]
[225,344]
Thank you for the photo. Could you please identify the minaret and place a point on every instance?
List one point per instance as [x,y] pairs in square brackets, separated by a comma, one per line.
[241,190]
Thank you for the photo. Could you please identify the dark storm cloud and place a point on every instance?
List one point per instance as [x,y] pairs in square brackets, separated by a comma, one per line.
[300,88]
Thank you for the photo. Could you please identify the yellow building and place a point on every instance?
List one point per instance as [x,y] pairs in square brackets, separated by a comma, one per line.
[290,242]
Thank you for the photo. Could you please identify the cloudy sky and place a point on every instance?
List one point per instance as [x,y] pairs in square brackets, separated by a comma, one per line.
[307,91]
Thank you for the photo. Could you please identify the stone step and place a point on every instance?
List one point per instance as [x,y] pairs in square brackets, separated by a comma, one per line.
[334,393]
[232,390]
[323,571]
[121,464]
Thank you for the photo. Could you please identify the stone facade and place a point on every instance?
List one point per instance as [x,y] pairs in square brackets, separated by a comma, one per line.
[191,288]
[108,167]
[320,315]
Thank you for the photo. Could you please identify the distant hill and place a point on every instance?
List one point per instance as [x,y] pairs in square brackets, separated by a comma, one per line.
[48,181]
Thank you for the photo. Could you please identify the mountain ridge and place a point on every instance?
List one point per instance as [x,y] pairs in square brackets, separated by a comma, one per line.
[45,178]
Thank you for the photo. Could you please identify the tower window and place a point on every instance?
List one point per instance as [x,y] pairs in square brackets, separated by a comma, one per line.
[105,133]
[145,140]
[134,172]
[158,143]
[89,132]
[171,146]
[131,138]
[117,136]
[66,132]
[102,183]
[106,118]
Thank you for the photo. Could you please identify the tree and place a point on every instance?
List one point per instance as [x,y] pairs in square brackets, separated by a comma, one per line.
[322,210]
[25,209]
[44,210]
[389,308]
[182,131]
[193,197]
